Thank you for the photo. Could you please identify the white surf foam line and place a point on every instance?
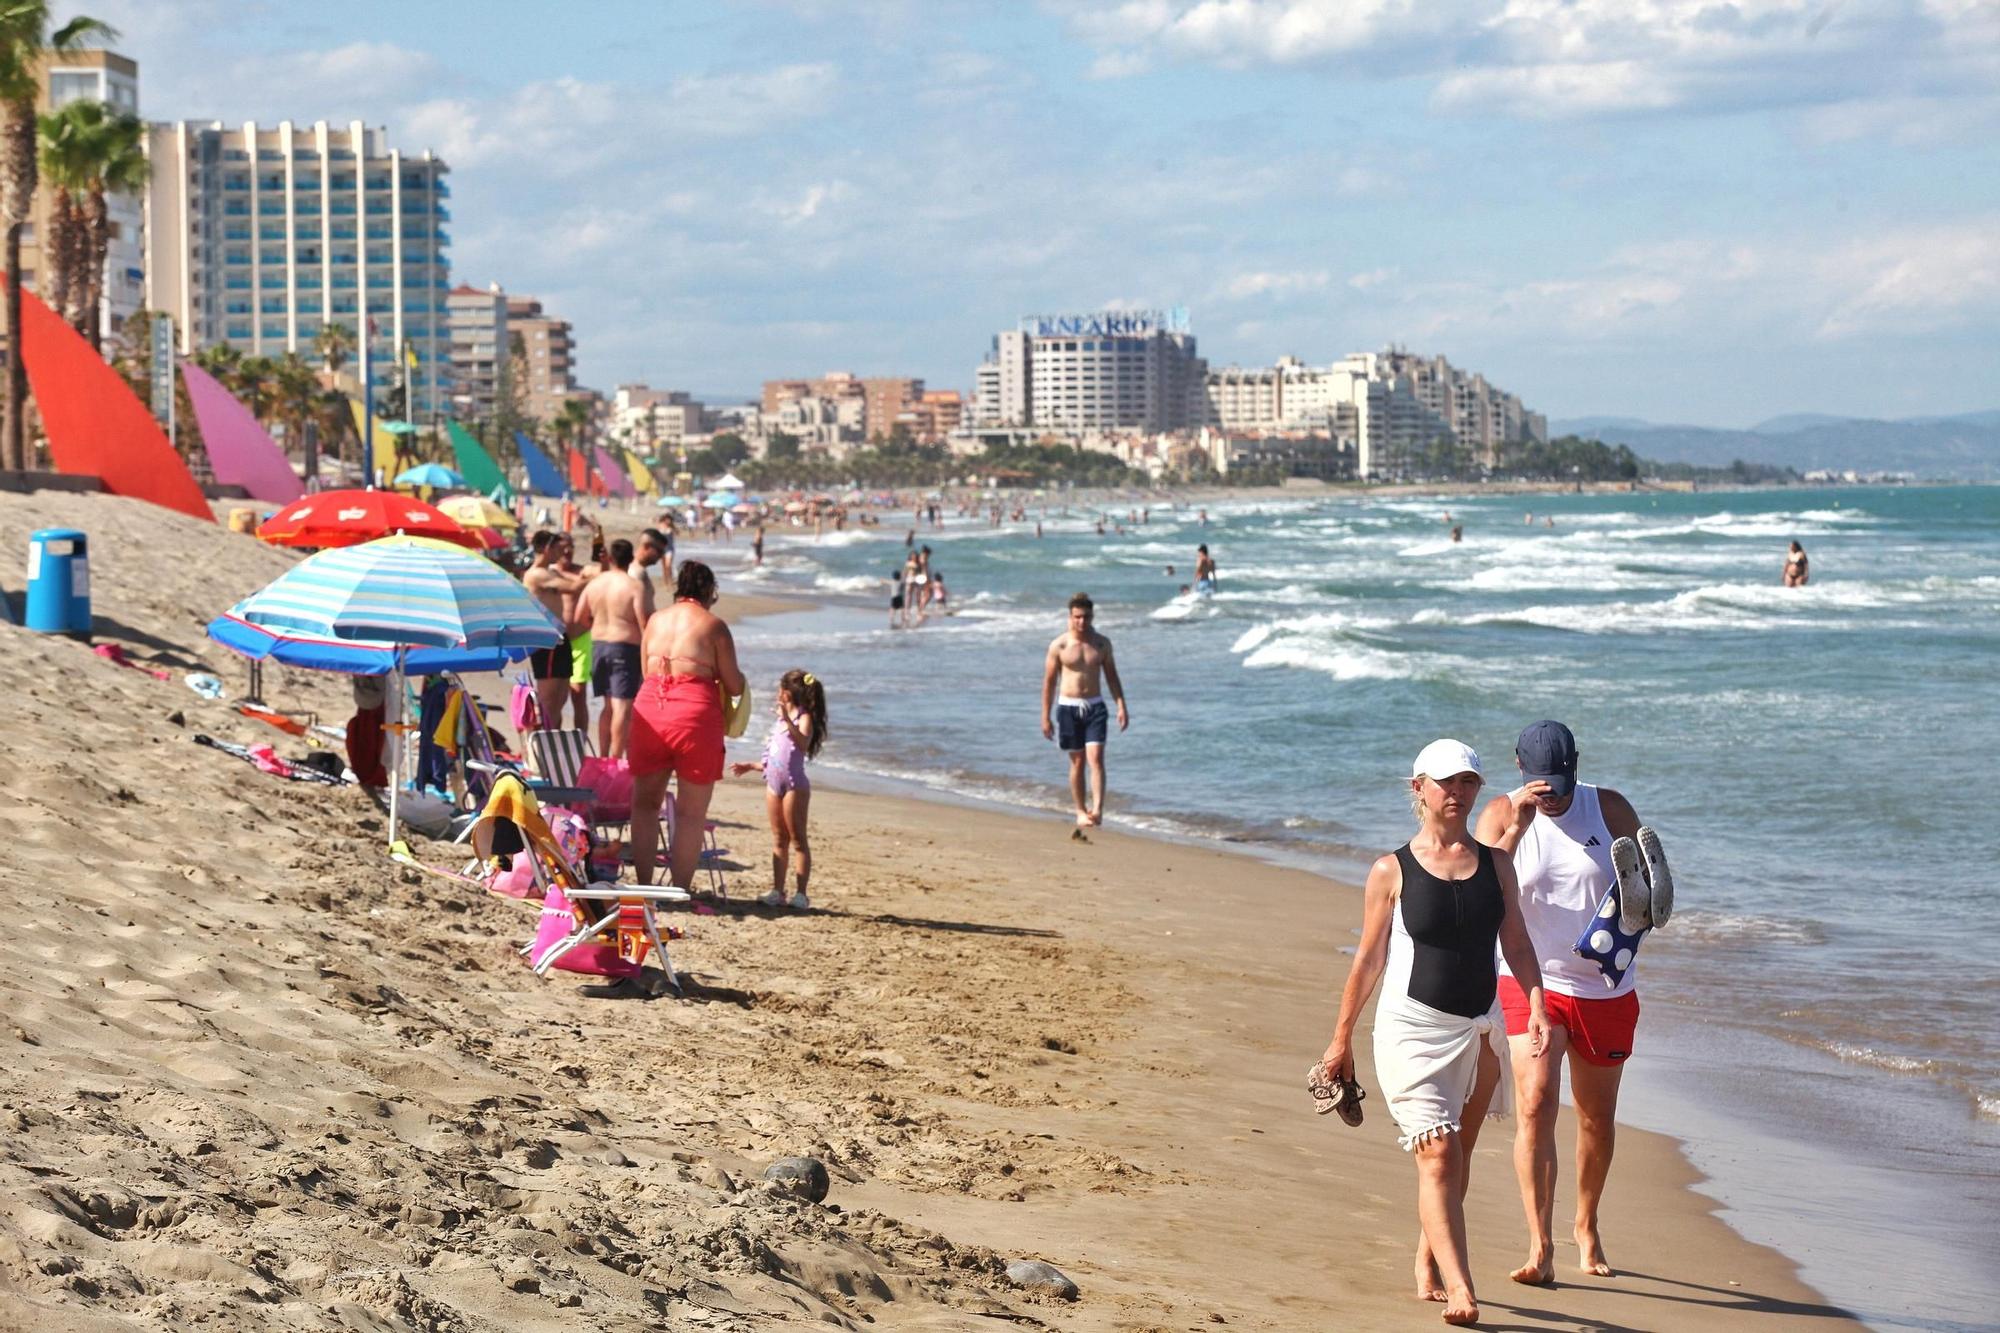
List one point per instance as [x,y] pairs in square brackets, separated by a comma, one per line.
[1717,929]
[1877,1059]
[851,583]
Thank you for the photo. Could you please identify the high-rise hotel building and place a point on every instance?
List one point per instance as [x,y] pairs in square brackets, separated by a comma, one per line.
[259,236]
[1109,370]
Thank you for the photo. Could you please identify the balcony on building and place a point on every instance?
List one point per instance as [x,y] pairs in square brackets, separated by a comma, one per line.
[235,233]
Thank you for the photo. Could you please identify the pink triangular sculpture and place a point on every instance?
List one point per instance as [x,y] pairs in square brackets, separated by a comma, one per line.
[238,449]
[614,475]
[96,425]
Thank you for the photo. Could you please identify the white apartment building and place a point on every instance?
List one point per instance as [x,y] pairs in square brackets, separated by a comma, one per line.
[646,418]
[259,236]
[1107,370]
[476,349]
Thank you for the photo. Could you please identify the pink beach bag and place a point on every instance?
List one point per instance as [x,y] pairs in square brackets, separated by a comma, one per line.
[597,959]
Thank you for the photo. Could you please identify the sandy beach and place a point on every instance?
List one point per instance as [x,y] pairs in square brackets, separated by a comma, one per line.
[262,1077]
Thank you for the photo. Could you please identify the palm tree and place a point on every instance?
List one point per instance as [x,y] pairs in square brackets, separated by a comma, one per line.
[64,140]
[335,345]
[24,36]
[117,165]
[255,384]
[571,421]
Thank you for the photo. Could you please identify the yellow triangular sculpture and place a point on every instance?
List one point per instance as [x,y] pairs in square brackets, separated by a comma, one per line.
[642,476]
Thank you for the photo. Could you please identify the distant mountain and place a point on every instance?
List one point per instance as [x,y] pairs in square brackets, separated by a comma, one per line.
[1962,447]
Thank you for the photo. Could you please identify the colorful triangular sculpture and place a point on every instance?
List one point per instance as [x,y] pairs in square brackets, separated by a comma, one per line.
[239,451]
[96,425]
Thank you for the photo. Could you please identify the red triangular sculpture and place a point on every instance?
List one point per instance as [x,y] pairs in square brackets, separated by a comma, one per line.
[96,425]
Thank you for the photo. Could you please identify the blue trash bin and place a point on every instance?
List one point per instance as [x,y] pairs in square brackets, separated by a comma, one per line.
[59,582]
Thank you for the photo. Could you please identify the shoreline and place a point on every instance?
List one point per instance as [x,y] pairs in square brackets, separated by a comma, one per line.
[1324,863]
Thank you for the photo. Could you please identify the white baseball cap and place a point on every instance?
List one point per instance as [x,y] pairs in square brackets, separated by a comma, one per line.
[1446,759]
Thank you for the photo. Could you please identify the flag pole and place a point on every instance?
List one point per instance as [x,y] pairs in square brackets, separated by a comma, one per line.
[367,405]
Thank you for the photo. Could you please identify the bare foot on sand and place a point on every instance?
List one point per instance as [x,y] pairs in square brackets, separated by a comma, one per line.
[1430,1287]
[1096,818]
[1539,1271]
[1590,1253]
[1460,1308]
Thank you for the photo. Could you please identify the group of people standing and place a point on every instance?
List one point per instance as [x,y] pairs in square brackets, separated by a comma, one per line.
[665,676]
[1469,931]
[917,588]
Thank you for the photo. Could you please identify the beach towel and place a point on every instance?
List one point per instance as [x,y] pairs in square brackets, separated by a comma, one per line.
[115,653]
[522,709]
[265,758]
[1426,1061]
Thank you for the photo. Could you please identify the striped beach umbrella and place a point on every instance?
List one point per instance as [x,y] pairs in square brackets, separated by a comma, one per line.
[410,592]
[398,604]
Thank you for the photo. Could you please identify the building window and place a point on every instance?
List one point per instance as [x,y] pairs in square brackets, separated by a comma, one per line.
[66,88]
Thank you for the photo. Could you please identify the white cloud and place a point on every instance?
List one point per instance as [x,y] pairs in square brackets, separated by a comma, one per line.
[1553,58]
[1917,280]
[1277,284]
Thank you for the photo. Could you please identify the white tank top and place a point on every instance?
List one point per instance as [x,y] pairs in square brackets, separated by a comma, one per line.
[1564,865]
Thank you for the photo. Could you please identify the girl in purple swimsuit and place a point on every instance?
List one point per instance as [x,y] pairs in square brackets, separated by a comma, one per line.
[796,737]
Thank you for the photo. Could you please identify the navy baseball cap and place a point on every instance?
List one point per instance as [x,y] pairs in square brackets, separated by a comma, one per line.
[1547,753]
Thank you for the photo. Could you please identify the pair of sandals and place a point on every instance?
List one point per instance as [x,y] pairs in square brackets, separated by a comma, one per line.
[1645,885]
[1335,1094]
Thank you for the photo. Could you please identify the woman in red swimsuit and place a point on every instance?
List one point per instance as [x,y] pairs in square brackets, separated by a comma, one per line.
[690,663]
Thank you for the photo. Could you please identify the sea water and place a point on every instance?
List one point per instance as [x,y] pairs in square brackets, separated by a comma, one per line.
[1822,1015]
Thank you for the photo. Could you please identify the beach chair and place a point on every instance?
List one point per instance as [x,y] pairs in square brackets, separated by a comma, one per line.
[482,764]
[559,757]
[622,915]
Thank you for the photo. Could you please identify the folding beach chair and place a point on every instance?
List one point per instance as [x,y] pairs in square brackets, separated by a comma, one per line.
[482,765]
[559,757]
[600,912]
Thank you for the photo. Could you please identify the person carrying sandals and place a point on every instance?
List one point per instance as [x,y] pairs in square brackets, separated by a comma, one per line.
[1433,910]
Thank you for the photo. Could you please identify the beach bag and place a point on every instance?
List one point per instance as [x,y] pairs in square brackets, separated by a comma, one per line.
[1605,943]
[736,713]
[516,879]
[610,784]
[522,709]
[595,959]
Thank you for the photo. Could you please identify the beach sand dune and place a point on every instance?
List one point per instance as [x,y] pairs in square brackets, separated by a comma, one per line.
[259,1076]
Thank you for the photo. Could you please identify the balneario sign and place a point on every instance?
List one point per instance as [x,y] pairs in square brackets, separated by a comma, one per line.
[1107,324]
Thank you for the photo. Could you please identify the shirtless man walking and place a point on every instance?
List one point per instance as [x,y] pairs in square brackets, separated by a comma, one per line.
[615,608]
[1078,658]
[550,586]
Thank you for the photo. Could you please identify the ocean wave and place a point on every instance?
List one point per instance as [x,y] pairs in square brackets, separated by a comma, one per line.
[1876,1059]
[1712,928]
[1352,661]
[1185,608]
[851,583]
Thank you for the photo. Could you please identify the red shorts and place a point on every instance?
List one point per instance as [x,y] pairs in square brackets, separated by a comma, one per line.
[1600,1031]
[677,728]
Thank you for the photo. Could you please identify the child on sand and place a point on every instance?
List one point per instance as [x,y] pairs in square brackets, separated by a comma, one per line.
[796,737]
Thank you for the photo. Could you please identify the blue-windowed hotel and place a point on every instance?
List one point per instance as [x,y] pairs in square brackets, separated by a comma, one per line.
[260,235]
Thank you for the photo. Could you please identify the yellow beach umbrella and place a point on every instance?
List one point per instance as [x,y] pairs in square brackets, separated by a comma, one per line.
[476,511]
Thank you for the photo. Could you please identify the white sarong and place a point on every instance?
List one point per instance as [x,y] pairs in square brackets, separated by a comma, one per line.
[1427,1062]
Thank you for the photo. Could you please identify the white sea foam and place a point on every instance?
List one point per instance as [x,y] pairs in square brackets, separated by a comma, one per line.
[1988,1104]
[1878,1059]
[851,583]
[1719,929]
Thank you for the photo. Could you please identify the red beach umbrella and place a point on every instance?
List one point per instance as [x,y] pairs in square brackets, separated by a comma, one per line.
[348,518]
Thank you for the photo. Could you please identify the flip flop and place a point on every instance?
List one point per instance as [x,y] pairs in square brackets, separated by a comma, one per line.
[1658,877]
[1635,898]
[1342,1095]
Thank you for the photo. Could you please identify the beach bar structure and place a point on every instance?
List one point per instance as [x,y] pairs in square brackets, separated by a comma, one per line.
[259,236]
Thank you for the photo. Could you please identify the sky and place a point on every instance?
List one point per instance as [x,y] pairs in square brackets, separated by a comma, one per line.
[1693,211]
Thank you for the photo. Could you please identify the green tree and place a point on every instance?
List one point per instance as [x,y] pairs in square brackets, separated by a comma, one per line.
[88,152]
[24,36]
[782,448]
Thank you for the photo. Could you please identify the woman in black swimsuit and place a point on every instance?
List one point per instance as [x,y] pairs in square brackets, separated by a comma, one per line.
[1434,909]
[1796,570]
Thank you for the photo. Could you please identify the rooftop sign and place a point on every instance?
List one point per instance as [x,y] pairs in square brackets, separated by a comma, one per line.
[1107,324]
